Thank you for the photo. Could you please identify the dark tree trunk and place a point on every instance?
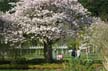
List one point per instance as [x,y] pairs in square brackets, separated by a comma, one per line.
[48,51]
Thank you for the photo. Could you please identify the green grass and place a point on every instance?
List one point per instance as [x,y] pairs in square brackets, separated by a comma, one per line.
[69,64]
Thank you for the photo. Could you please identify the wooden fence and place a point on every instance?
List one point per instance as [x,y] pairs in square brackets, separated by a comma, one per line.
[29,53]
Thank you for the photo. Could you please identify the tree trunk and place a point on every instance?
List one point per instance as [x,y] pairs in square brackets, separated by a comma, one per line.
[48,51]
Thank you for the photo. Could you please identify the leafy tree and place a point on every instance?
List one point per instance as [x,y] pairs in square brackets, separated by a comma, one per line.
[5,6]
[48,20]
[98,8]
[99,40]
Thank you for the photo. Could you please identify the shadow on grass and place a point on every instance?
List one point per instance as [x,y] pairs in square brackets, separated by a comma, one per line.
[37,63]
[32,61]
[40,61]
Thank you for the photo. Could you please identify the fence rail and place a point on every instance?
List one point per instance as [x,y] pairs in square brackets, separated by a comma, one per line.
[30,53]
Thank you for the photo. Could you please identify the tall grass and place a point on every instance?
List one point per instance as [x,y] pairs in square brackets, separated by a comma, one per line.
[79,64]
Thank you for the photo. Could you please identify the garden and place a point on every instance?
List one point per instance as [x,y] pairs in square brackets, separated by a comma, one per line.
[53,35]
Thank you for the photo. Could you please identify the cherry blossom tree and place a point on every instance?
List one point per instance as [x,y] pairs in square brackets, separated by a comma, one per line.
[48,20]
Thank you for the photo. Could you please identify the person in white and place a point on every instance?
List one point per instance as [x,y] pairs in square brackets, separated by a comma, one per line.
[78,52]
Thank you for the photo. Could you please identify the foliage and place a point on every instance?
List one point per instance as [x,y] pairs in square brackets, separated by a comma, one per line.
[80,38]
[73,43]
[97,7]
[65,66]
[5,6]
[70,64]
[80,64]
[45,19]
[99,39]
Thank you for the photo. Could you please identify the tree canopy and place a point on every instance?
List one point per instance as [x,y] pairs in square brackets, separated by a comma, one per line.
[46,18]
